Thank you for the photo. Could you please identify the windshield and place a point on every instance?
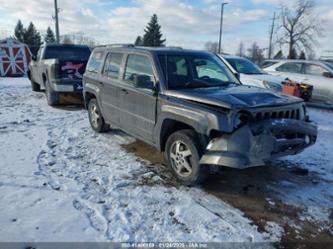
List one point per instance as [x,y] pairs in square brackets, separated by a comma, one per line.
[68,53]
[195,71]
[244,66]
[329,64]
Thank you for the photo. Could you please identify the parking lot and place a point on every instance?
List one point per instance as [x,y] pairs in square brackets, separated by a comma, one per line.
[58,176]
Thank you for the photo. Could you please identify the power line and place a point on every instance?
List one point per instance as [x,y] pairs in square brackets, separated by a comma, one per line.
[270,49]
[221,26]
[56,10]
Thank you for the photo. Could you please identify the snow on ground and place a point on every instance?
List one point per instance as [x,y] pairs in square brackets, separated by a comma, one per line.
[60,181]
[316,198]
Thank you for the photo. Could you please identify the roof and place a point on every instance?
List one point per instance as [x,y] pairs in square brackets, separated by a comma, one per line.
[233,57]
[299,61]
[158,50]
[13,40]
[65,45]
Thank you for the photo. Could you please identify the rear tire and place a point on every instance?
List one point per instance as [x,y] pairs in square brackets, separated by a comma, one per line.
[96,119]
[53,98]
[183,152]
[35,86]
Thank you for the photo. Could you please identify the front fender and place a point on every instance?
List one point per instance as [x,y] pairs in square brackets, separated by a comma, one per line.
[202,120]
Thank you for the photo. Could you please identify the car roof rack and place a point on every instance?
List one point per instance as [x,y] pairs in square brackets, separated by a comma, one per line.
[116,45]
[122,45]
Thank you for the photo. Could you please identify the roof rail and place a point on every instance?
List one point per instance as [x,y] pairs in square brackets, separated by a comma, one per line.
[174,47]
[122,45]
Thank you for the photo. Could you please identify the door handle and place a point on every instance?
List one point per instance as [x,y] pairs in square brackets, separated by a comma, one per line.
[124,91]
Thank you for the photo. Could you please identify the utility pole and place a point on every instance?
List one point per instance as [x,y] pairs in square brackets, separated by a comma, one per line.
[221,26]
[270,49]
[56,10]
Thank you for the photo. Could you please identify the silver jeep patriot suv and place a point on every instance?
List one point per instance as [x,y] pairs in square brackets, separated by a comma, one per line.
[189,105]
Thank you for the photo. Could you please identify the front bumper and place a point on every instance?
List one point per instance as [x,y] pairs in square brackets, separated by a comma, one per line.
[255,144]
[67,86]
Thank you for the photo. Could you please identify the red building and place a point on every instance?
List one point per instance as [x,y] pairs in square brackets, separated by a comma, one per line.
[14,58]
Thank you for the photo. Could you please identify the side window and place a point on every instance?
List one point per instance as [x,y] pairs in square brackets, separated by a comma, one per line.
[207,69]
[313,69]
[95,62]
[290,67]
[182,68]
[112,65]
[139,66]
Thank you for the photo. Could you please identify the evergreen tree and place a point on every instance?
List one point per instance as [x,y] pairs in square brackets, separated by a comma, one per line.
[19,31]
[138,41]
[279,55]
[49,38]
[302,56]
[32,38]
[153,35]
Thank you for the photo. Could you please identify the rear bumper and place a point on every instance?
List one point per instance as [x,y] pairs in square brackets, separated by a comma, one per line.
[67,86]
[253,145]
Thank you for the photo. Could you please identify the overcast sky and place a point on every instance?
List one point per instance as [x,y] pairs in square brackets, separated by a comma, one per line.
[184,22]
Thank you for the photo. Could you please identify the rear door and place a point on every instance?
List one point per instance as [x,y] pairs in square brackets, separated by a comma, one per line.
[138,103]
[110,87]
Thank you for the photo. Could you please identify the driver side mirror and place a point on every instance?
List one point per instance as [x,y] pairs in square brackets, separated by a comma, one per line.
[143,81]
[328,75]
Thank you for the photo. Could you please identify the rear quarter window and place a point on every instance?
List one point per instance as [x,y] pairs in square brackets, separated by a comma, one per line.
[96,62]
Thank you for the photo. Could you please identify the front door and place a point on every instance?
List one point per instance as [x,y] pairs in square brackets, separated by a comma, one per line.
[138,101]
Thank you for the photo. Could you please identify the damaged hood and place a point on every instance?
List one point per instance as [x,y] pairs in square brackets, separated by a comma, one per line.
[232,97]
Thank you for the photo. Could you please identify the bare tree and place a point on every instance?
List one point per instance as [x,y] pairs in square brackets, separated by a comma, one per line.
[212,46]
[66,39]
[241,49]
[256,54]
[78,38]
[299,27]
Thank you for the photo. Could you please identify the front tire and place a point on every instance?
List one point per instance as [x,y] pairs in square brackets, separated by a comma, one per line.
[183,152]
[96,119]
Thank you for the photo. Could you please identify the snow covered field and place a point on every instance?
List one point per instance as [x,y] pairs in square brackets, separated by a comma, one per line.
[60,181]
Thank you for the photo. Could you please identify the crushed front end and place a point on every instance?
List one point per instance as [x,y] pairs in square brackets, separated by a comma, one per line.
[267,134]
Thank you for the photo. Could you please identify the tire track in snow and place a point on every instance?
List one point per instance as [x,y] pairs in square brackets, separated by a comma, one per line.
[107,184]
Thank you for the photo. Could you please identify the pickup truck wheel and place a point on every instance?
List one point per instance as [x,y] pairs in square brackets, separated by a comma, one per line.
[95,117]
[183,153]
[35,86]
[51,96]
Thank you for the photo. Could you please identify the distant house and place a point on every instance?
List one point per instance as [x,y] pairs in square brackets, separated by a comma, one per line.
[14,58]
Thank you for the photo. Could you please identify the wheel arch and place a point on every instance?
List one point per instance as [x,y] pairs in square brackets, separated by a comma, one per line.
[87,97]
[170,126]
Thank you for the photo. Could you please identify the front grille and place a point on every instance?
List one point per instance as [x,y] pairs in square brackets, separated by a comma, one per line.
[279,114]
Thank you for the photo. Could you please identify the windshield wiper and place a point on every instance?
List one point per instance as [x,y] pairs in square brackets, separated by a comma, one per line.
[195,85]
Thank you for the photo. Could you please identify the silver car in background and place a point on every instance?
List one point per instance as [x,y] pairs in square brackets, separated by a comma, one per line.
[250,74]
[316,73]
